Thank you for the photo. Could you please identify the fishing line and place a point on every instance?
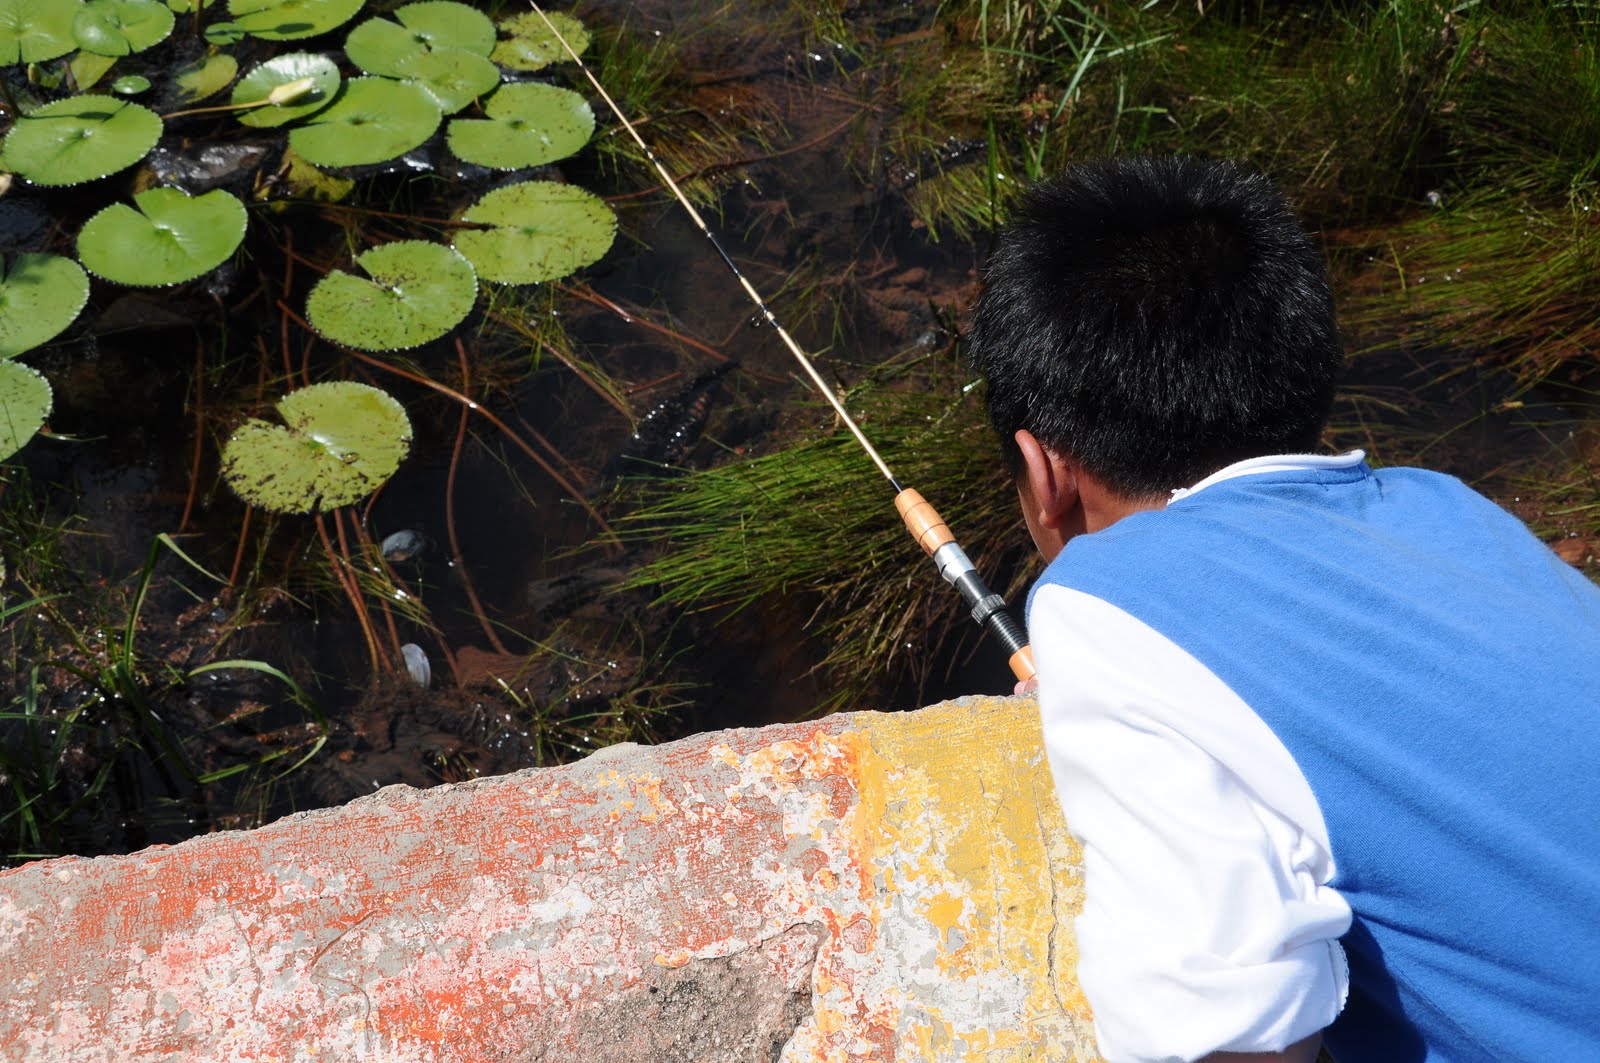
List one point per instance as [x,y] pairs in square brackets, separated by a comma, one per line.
[922,520]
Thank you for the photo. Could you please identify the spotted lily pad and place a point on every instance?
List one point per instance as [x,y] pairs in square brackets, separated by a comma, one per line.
[172,237]
[288,20]
[371,120]
[342,441]
[528,125]
[24,404]
[531,45]
[80,139]
[418,292]
[121,27]
[204,77]
[541,231]
[32,31]
[283,70]
[377,44]
[39,296]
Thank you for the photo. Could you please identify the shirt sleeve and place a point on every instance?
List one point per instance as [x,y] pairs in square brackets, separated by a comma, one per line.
[1208,924]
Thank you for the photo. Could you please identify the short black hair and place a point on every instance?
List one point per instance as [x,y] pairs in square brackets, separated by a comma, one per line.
[1158,318]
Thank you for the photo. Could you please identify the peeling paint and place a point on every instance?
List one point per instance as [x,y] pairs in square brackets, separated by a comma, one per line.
[875,887]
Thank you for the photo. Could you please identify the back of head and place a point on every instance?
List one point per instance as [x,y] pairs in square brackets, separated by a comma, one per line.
[1157,318]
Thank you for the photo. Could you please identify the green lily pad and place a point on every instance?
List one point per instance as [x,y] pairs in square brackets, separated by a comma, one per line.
[32,31]
[79,139]
[260,82]
[377,44]
[24,404]
[371,120]
[418,292]
[528,125]
[130,85]
[454,78]
[288,20]
[121,27]
[39,296]
[531,45]
[205,77]
[542,231]
[342,442]
[173,237]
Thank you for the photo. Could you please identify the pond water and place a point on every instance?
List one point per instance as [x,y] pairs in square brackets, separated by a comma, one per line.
[535,646]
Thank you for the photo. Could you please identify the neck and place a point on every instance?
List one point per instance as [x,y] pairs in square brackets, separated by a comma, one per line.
[1103,507]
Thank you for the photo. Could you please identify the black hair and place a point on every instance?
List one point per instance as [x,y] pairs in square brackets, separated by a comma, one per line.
[1157,318]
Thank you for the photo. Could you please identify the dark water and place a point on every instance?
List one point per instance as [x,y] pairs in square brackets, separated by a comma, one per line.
[829,214]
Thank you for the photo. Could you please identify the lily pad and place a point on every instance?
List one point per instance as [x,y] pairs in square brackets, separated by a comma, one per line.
[24,404]
[32,31]
[121,27]
[130,85]
[418,292]
[377,44]
[542,230]
[371,120]
[204,77]
[172,237]
[260,82]
[531,45]
[39,296]
[288,20]
[80,139]
[342,441]
[528,125]
[454,78]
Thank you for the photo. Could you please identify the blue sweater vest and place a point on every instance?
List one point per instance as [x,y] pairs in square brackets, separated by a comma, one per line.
[1434,670]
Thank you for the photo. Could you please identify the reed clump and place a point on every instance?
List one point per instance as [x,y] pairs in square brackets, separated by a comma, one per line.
[813,520]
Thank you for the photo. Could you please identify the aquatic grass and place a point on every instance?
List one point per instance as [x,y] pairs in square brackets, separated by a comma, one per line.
[813,521]
[1528,114]
[646,73]
[91,745]
[1496,274]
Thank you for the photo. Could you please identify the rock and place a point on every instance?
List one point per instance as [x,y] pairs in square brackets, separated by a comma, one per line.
[865,887]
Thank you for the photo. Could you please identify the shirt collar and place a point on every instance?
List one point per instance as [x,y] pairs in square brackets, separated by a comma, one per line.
[1274,463]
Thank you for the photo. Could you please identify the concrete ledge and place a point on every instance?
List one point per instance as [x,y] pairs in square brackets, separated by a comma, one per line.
[867,887]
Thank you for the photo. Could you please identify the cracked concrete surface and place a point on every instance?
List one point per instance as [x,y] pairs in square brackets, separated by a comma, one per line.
[867,887]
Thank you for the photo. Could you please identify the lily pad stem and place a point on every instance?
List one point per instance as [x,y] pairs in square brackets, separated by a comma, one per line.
[281,96]
[612,540]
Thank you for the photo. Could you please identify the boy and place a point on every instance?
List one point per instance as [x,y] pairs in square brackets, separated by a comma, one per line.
[1329,736]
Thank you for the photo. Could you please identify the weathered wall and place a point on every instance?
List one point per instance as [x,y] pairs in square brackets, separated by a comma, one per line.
[867,887]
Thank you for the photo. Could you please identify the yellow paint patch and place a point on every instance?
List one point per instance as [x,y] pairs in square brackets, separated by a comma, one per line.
[958,812]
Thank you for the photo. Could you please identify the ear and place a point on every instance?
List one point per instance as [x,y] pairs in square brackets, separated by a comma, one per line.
[1047,482]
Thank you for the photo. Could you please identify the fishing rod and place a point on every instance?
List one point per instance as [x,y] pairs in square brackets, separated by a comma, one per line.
[921,519]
